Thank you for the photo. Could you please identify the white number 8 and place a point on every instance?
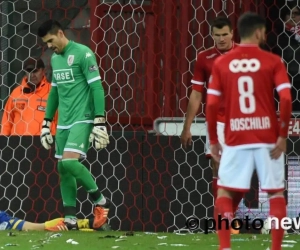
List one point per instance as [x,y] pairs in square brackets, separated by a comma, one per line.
[246,94]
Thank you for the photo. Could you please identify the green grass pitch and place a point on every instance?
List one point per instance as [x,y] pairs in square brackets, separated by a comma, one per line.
[140,240]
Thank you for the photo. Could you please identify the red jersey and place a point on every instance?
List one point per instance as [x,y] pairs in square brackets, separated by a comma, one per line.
[246,78]
[202,72]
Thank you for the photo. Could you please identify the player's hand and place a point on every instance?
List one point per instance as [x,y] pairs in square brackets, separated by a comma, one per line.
[186,138]
[280,148]
[46,137]
[99,133]
[216,150]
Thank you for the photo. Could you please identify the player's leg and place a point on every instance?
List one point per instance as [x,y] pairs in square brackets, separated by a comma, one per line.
[8,222]
[214,166]
[68,185]
[30,226]
[236,168]
[76,147]
[58,224]
[271,176]
[236,199]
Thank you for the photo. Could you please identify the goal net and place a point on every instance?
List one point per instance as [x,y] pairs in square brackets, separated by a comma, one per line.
[146,51]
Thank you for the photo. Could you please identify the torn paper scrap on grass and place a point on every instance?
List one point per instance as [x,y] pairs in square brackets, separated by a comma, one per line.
[162,244]
[173,245]
[120,240]
[73,242]
[56,235]
[178,245]
[289,241]
[287,245]
[161,237]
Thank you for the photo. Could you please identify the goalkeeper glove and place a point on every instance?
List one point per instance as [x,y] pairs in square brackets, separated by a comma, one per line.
[99,133]
[46,137]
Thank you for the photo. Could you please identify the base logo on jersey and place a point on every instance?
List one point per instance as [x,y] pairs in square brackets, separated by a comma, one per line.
[70,60]
[63,75]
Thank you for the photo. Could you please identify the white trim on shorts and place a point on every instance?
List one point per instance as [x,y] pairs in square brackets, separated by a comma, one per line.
[82,154]
[58,156]
[69,126]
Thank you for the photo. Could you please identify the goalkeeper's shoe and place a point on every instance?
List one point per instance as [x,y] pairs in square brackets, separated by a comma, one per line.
[71,223]
[56,225]
[100,213]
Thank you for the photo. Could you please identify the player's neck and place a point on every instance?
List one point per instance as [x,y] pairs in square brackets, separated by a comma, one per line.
[248,42]
[65,42]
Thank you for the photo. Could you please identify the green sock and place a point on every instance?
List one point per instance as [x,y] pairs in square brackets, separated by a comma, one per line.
[68,189]
[82,175]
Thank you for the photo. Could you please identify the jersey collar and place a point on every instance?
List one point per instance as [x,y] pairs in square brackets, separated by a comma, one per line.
[67,47]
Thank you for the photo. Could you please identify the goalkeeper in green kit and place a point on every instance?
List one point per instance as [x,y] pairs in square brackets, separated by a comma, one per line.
[78,95]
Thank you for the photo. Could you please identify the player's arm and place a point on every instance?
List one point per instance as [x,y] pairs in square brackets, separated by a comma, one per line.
[90,70]
[198,82]
[7,118]
[283,88]
[51,108]
[212,106]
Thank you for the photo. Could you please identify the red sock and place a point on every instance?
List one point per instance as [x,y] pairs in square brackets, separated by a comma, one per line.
[215,188]
[236,201]
[278,210]
[224,205]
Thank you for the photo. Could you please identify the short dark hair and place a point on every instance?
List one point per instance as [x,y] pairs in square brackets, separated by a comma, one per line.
[220,22]
[50,26]
[248,23]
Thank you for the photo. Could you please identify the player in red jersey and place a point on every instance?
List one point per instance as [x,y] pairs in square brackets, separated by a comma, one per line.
[222,34]
[254,138]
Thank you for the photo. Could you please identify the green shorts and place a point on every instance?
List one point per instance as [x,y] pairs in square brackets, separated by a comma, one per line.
[75,139]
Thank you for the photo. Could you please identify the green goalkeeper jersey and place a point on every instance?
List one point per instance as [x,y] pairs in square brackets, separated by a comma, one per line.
[74,71]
